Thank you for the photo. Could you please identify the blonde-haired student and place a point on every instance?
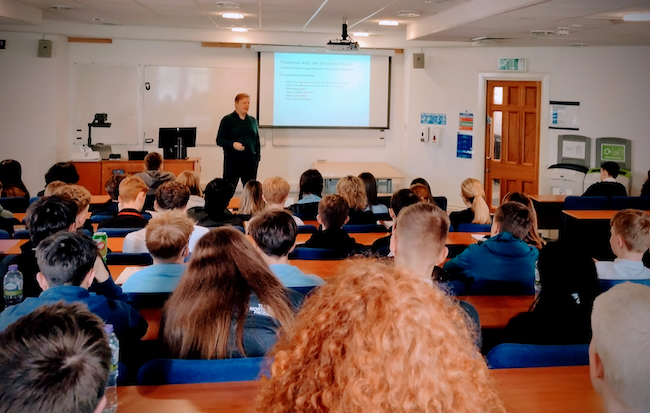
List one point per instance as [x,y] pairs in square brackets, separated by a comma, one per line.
[630,238]
[478,211]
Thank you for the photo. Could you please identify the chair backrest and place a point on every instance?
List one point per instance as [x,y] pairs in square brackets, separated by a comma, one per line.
[171,371]
[356,229]
[383,217]
[513,356]
[305,211]
[607,284]
[476,321]
[306,229]
[21,234]
[121,258]
[33,199]
[317,254]
[149,300]
[474,228]
[99,218]
[624,202]
[118,232]
[441,201]
[585,203]
[17,204]
[4,234]
[494,287]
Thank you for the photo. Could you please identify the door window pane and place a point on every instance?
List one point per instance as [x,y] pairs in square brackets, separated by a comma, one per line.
[498,95]
[496,192]
[497,128]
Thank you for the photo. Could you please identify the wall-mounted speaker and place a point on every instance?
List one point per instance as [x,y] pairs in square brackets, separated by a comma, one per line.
[418,60]
[45,48]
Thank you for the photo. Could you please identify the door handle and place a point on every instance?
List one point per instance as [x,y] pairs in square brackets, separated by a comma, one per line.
[491,137]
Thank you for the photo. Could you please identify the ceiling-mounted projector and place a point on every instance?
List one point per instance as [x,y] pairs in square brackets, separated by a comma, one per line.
[344,44]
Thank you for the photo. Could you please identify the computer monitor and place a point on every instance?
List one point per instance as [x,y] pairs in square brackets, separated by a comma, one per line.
[175,141]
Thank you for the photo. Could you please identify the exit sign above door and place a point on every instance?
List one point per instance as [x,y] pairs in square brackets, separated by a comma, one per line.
[512,65]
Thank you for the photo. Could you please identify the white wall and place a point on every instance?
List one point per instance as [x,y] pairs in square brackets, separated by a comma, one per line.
[611,84]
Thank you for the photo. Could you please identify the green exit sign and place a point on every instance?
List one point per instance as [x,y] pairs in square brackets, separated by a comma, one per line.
[512,65]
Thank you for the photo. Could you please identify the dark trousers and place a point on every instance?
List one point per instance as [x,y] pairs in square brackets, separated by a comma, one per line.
[236,166]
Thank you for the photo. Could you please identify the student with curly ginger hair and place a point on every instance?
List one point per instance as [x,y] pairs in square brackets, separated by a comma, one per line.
[378,339]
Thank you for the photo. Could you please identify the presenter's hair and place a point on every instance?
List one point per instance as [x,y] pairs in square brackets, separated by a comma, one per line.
[112,185]
[168,233]
[354,191]
[620,337]
[423,193]
[532,238]
[241,96]
[333,210]
[153,161]
[62,171]
[472,190]
[51,188]
[633,226]
[276,190]
[251,201]
[65,258]
[172,195]
[612,168]
[218,194]
[274,232]
[47,216]
[311,182]
[54,359]
[514,218]
[191,180]
[131,187]
[80,195]
[401,199]
[377,339]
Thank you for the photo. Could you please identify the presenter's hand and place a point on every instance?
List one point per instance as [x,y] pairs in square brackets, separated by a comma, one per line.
[238,146]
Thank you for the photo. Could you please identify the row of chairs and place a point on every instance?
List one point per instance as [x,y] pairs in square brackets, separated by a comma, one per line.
[584,203]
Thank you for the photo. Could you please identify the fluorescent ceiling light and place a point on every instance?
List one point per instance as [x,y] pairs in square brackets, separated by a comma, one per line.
[232,16]
[239,29]
[388,23]
[360,34]
[637,17]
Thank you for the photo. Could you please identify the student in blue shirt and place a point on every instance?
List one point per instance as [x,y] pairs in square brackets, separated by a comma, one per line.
[167,238]
[275,234]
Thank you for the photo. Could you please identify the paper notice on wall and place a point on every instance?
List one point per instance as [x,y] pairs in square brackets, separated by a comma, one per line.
[565,115]
[433,118]
[466,121]
[464,146]
[575,150]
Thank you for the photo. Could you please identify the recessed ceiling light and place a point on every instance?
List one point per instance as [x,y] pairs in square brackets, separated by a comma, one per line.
[227,5]
[408,13]
[360,34]
[232,16]
[637,17]
[388,23]
[62,8]
[239,29]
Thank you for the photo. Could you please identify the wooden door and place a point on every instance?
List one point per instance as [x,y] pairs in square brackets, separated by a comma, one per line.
[512,139]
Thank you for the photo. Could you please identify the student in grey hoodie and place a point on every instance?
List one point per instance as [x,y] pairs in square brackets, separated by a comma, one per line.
[153,176]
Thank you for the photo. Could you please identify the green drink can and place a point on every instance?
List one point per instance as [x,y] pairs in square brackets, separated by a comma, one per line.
[101,239]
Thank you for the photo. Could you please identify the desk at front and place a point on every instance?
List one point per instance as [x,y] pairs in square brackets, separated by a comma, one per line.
[93,175]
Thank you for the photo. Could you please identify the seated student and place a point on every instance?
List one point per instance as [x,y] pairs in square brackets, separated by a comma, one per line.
[61,171]
[55,359]
[68,266]
[275,192]
[645,189]
[132,193]
[311,187]
[373,204]
[503,257]
[191,180]
[332,215]
[167,237]
[153,175]
[7,220]
[5,214]
[275,234]
[478,212]
[562,310]
[112,187]
[171,195]
[532,238]
[421,181]
[352,189]
[251,202]
[228,304]
[630,238]
[376,339]
[399,200]
[218,194]
[619,365]
[11,178]
[423,193]
[44,217]
[608,186]
[81,196]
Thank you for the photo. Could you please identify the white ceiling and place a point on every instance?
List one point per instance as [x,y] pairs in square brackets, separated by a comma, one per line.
[502,22]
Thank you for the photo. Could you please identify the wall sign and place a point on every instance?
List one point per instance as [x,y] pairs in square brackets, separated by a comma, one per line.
[512,65]
[433,118]
[565,115]
[464,146]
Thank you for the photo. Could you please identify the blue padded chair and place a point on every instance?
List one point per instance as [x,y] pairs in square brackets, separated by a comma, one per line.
[149,300]
[474,228]
[357,229]
[582,203]
[305,211]
[306,229]
[514,356]
[316,254]
[117,232]
[4,234]
[441,201]
[146,216]
[99,218]
[34,199]
[16,204]
[305,290]
[473,315]
[494,287]
[607,284]
[168,371]
[21,234]
[120,258]
[634,202]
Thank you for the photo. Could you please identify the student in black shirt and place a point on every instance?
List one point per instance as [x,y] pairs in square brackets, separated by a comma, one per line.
[608,186]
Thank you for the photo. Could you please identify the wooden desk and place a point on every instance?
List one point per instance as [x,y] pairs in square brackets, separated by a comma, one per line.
[495,311]
[234,203]
[99,199]
[548,199]
[603,214]
[463,238]
[8,244]
[93,175]
[115,244]
[532,390]
[337,170]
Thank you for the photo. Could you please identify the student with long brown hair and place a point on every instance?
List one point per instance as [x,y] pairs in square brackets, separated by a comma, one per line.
[228,304]
[533,237]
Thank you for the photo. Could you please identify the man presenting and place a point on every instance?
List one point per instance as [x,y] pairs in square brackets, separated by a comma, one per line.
[240,141]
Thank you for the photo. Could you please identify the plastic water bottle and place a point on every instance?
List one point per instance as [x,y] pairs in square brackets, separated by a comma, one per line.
[13,286]
[111,385]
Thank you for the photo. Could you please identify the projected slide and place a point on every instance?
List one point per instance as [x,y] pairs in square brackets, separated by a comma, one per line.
[321,90]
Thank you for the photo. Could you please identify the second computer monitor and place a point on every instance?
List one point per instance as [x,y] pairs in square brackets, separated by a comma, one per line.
[175,141]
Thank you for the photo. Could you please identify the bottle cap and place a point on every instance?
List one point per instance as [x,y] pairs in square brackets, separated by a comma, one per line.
[13,267]
[108,328]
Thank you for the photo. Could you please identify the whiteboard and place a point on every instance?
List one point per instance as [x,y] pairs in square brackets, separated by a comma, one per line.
[110,89]
[194,97]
